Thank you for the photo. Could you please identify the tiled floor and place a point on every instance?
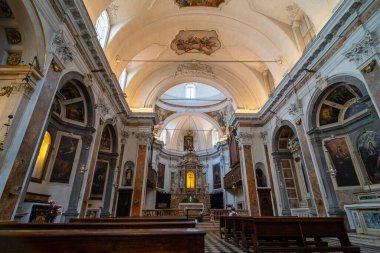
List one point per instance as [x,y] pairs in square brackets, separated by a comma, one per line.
[214,244]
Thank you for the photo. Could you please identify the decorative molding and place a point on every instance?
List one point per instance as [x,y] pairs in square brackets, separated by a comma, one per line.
[295,109]
[320,81]
[112,10]
[102,107]
[292,10]
[195,68]
[88,80]
[63,49]
[361,51]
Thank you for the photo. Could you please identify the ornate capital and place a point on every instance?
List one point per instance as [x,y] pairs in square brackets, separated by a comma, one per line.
[124,136]
[102,107]
[361,51]
[246,138]
[144,137]
[264,137]
[321,81]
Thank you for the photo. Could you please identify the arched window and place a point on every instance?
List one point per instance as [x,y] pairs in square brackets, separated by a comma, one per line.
[303,30]
[43,154]
[123,79]
[339,105]
[190,91]
[190,180]
[102,28]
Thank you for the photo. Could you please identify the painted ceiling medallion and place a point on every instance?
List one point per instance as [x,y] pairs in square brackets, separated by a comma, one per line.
[196,41]
[194,3]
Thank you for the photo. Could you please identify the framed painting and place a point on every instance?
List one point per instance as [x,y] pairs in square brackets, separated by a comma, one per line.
[64,160]
[99,180]
[161,176]
[217,182]
[342,161]
[369,148]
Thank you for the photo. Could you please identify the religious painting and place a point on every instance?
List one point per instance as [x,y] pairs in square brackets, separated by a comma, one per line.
[69,91]
[372,219]
[354,109]
[161,176]
[64,160]
[99,180]
[341,160]
[340,95]
[196,41]
[369,148]
[199,3]
[105,142]
[328,115]
[75,111]
[216,176]
[128,174]
[233,147]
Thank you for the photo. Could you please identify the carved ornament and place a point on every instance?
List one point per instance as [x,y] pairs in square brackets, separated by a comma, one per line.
[360,51]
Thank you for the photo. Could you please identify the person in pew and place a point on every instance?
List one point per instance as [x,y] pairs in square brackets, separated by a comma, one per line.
[233,212]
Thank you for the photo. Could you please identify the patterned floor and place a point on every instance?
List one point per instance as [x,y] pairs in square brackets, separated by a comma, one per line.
[214,244]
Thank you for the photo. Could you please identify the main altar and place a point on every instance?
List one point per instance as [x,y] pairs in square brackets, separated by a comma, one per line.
[189,189]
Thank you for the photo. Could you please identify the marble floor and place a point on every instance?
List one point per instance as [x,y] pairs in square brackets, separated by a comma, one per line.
[214,244]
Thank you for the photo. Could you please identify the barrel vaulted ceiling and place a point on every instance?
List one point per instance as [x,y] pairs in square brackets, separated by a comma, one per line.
[237,30]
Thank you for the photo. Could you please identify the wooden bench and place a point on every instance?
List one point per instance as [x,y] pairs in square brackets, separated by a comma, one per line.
[128,219]
[99,241]
[293,234]
[129,225]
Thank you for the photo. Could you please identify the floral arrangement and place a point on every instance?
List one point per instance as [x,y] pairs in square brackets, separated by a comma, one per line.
[52,212]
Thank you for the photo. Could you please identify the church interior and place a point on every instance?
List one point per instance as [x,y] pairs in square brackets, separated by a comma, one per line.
[121,130]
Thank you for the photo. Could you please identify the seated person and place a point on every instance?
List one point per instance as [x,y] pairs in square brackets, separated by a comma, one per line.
[233,212]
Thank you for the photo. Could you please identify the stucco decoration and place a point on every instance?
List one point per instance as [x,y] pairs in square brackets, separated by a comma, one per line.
[196,41]
[195,68]
[199,3]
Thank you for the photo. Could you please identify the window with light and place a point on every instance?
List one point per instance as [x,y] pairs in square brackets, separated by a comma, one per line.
[190,91]
[38,170]
[190,180]
[102,28]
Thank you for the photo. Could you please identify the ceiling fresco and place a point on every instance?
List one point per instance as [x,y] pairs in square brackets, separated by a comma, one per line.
[197,3]
[196,41]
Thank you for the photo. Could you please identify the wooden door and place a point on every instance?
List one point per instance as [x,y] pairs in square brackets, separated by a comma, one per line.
[265,201]
[124,203]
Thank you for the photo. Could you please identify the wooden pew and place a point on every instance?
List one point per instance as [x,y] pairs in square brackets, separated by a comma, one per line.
[129,225]
[225,227]
[128,219]
[99,241]
[293,234]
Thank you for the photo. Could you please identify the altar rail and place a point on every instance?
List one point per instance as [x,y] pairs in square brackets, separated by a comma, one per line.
[216,213]
[163,212]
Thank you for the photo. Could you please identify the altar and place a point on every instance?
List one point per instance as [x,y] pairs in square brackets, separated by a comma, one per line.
[192,206]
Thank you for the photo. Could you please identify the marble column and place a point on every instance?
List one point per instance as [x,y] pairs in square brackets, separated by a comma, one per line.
[19,170]
[313,178]
[119,171]
[143,142]
[247,169]
[72,210]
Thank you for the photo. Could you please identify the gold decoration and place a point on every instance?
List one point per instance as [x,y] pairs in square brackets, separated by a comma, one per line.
[14,58]
[5,10]
[13,35]
[6,90]
[370,67]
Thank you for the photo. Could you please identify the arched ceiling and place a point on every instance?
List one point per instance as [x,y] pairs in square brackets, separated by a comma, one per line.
[200,125]
[248,30]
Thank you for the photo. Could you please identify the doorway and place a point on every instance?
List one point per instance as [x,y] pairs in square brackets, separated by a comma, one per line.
[265,201]
[124,203]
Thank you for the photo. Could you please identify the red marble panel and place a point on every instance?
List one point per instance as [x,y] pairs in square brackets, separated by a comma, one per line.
[251,181]
[139,181]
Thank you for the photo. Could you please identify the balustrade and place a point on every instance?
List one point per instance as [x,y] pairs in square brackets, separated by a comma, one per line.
[163,212]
